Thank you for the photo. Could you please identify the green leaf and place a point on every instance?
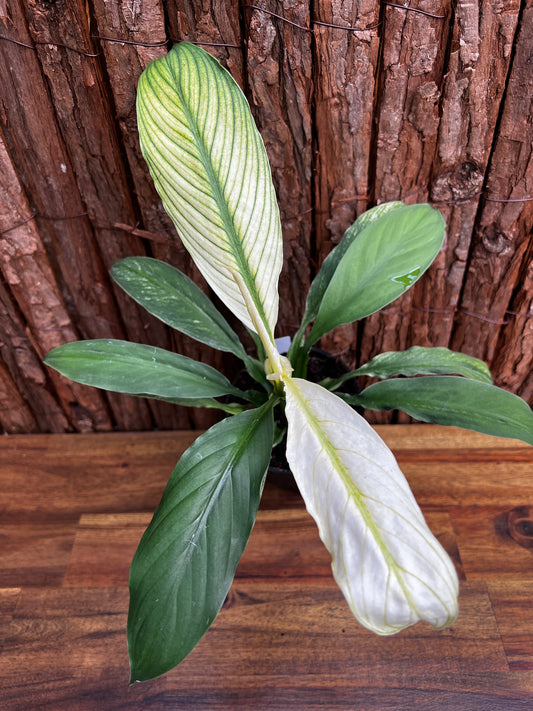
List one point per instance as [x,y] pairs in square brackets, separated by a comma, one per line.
[136,369]
[231,408]
[421,361]
[210,168]
[331,262]
[172,297]
[389,255]
[186,560]
[449,400]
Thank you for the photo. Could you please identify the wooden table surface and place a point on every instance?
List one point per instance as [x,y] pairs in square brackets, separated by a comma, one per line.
[73,508]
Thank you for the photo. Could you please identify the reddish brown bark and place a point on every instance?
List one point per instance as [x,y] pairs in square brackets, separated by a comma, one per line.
[479,58]
[15,416]
[513,362]
[43,161]
[503,233]
[397,109]
[85,119]
[214,24]
[24,265]
[344,95]
[409,91]
[279,66]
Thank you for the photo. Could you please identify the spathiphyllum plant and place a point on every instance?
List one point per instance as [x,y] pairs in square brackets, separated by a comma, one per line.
[210,168]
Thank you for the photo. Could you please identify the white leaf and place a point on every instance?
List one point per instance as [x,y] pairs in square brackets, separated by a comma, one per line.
[391,569]
[210,167]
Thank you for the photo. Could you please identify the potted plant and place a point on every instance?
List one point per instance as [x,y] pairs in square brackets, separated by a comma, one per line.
[210,168]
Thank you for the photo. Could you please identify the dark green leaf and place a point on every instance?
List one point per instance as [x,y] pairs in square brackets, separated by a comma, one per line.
[425,361]
[231,408]
[449,400]
[389,255]
[172,297]
[186,560]
[137,369]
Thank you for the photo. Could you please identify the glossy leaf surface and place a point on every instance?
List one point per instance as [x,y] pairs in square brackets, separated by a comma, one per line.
[209,166]
[388,256]
[391,569]
[425,361]
[187,557]
[172,297]
[327,270]
[448,400]
[137,369]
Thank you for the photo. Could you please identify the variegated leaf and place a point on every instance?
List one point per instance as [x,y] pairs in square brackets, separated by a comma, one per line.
[209,165]
[391,569]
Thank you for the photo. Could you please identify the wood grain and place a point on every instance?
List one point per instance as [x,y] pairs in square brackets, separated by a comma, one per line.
[500,247]
[279,79]
[478,63]
[344,99]
[24,263]
[74,507]
[358,102]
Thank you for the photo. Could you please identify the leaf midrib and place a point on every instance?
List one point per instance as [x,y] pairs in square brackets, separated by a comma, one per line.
[353,491]
[218,195]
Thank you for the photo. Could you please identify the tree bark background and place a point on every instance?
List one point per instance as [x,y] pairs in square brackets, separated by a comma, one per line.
[358,103]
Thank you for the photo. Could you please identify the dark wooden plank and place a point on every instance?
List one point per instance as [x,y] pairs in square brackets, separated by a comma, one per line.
[284,546]
[511,600]
[269,630]
[35,554]
[285,637]
[8,601]
[495,542]
[45,476]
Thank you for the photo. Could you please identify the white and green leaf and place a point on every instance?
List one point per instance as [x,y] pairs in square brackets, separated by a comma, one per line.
[391,569]
[210,167]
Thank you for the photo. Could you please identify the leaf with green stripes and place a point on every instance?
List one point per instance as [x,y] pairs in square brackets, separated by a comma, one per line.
[210,167]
